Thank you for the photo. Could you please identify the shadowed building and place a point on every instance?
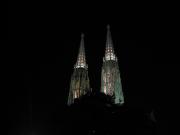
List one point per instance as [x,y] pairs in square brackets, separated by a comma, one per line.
[110,75]
[79,80]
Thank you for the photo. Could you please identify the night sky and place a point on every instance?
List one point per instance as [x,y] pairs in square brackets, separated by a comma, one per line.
[48,51]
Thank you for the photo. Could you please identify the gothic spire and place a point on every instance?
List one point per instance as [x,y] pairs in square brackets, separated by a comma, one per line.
[110,75]
[81,60]
[109,51]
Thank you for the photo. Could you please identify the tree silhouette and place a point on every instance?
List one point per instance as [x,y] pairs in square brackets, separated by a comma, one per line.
[94,113]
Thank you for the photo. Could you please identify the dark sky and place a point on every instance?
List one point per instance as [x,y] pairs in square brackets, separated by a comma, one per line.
[50,64]
[48,39]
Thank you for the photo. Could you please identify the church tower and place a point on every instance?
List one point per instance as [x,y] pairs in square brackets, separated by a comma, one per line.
[79,80]
[110,74]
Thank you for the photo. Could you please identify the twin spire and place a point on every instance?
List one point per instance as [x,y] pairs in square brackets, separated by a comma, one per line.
[109,51]
[110,75]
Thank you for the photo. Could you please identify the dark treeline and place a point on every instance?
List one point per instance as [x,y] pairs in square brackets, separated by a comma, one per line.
[95,114]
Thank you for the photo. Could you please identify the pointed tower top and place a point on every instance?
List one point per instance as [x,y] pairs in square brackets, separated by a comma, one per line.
[81,60]
[108,26]
[109,51]
[109,39]
[82,35]
[81,49]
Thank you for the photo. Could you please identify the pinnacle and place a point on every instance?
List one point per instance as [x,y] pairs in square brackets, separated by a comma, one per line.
[82,35]
[108,26]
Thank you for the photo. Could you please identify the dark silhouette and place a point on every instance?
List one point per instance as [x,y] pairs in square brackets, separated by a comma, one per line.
[94,113]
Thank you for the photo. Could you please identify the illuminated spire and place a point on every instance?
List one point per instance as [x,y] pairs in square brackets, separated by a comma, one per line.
[79,85]
[109,52]
[110,74]
[81,60]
